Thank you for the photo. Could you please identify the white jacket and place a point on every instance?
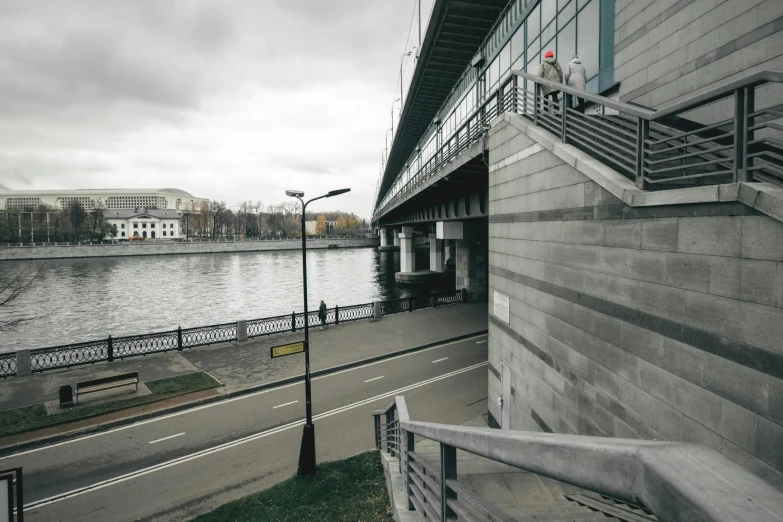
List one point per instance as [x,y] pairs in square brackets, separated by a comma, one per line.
[575,74]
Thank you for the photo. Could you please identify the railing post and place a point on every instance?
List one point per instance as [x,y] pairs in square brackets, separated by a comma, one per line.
[536,93]
[564,115]
[389,419]
[744,103]
[336,314]
[293,321]
[448,471]
[514,93]
[409,446]
[377,425]
[179,338]
[110,350]
[435,300]
[410,303]
[642,133]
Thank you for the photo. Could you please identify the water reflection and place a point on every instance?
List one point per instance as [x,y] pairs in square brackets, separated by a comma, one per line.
[82,299]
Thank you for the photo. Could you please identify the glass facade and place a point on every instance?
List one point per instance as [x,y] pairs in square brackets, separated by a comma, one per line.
[566,27]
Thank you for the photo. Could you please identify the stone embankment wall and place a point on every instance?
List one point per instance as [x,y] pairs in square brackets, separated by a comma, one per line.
[172,248]
[658,322]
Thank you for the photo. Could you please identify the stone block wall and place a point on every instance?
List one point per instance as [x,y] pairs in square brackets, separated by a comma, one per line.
[641,322]
[666,50]
[471,268]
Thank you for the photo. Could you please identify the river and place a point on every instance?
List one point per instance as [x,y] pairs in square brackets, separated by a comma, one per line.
[83,299]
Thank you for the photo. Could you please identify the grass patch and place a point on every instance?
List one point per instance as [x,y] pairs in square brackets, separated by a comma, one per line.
[350,490]
[33,417]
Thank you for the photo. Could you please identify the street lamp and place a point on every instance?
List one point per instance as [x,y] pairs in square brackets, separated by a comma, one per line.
[307,450]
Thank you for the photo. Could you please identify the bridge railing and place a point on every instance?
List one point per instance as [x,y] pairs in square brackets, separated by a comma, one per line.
[656,149]
[677,482]
[111,348]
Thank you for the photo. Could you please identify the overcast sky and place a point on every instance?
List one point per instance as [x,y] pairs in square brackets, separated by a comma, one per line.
[227,99]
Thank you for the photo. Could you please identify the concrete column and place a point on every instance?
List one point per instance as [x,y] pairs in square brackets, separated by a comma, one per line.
[407,250]
[376,310]
[241,330]
[437,261]
[24,364]
[396,238]
[384,237]
[471,268]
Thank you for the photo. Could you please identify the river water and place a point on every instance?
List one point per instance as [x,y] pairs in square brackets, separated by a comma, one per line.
[76,300]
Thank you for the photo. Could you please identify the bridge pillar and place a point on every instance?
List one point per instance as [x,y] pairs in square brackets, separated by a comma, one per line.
[437,259]
[396,238]
[472,269]
[407,250]
[383,236]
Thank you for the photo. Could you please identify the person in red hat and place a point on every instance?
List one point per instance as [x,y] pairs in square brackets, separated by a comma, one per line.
[550,70]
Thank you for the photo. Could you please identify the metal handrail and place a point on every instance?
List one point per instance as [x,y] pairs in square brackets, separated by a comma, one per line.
[678,482]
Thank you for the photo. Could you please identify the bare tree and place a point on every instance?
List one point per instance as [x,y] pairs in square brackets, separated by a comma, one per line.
[12,290]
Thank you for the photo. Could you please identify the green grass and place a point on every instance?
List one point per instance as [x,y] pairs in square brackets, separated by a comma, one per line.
[349,490]
[33,417]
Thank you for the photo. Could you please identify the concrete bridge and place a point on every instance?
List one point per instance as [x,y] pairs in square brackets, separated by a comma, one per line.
[631,256]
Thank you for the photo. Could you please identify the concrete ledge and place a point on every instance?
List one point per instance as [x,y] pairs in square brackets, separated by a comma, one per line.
[389,248]
[420,276]
[764,197]
[395,485]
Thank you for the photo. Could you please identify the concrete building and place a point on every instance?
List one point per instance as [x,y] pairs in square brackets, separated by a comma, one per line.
[310,226]
[632,257]
[147,223]
[170,198]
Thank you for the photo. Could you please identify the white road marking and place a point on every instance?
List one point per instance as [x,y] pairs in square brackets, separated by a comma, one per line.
[286,404]
[439,360]
[166,438]
[374,379]
[482,342]
[243,440]
[225,401]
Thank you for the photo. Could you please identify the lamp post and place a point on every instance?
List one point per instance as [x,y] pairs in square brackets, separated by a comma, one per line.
[307,449]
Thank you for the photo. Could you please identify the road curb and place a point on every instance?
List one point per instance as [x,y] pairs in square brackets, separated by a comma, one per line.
[13,448]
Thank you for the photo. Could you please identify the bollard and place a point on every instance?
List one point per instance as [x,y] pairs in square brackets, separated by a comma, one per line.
[110,350]
[464,295]
[179,338]
[336,314]
[376,310]
[410,304]
[241,330]
[24,363]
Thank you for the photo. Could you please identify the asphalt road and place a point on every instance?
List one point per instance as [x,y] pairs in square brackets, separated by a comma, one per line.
[177,466]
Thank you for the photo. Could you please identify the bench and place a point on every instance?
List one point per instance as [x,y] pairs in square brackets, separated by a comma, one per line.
[106,383]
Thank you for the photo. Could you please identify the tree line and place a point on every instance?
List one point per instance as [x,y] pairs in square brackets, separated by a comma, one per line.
[48,224]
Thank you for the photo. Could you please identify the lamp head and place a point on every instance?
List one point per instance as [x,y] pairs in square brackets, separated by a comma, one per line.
[294,193]
[337,192]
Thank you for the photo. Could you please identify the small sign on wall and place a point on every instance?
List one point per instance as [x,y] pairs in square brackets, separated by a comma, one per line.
[502,307]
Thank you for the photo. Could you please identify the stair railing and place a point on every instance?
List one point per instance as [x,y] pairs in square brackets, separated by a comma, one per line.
[676,481]
[739,149]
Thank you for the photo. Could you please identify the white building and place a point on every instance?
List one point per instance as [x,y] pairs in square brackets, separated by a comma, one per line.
[148,223]
[170,198]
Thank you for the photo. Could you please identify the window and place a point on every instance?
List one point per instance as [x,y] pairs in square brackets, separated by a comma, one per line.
[152,225]
[548,10]
[505,58]
[135,225]
[122,226]
[164,233]
[587,37]
[143,225]
[164,225]
[123,234]
[518,43]
[566,44]
[533,24]
[566,14]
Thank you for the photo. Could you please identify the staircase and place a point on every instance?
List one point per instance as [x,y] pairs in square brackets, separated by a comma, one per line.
[526,497]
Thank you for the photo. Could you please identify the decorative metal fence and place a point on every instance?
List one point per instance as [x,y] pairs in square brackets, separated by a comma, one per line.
[77,354]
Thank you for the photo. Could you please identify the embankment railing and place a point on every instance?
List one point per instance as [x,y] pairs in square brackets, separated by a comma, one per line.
[678,482]
[111,348]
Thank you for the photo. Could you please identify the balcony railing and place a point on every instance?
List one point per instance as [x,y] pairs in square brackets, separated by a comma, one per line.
[677,482]
[662,149]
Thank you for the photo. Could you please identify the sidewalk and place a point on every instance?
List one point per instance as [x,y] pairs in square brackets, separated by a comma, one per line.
[247,364]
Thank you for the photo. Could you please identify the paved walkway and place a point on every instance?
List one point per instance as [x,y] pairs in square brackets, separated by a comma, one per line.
[243,365]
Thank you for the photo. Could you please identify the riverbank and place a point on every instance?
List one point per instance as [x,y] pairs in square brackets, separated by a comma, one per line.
[155,248]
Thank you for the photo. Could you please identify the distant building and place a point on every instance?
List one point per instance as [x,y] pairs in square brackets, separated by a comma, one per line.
[148,223]
[310,226]
[166,198]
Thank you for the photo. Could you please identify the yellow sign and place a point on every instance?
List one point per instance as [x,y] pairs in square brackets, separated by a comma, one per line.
[287,349]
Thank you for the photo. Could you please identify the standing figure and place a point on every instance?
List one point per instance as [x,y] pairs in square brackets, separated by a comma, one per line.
[576,77]
[550,70]
[322,314]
